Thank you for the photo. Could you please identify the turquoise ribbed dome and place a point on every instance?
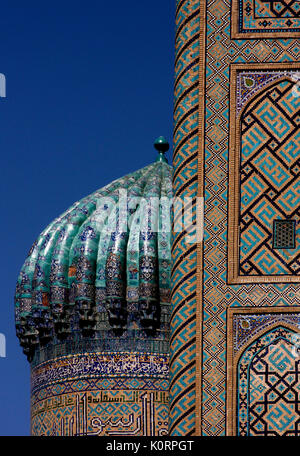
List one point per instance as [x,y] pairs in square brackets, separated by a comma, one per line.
[90,274]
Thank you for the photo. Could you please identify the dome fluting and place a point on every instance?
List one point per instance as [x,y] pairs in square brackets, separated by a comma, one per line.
[101,271]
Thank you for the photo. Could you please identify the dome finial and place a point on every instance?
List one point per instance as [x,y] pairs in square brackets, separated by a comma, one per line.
[161,145]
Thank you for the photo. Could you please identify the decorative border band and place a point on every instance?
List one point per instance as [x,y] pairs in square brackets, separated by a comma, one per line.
[97,365]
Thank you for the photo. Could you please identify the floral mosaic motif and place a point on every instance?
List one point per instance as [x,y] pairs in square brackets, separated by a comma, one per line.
[99,364]
[247,325]
[249,83]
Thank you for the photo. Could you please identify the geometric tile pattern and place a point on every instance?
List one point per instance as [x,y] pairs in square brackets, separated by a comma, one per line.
[268,388]
[284,234]
[217,295]
[184,252]
[265,18]
[269,178]
[264,173]
[102,413]
[101,394]
[205,52]
[262,371]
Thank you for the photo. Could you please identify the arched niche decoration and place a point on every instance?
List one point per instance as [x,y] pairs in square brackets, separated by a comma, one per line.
[264,169]
[263,384]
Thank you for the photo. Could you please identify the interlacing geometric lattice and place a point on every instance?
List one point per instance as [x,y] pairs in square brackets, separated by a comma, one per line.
[270,168]
[268,386]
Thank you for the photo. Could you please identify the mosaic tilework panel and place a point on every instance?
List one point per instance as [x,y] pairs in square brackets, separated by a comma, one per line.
[263,371]
[102,413]
[246,326]
[264,181]
[220,52]
[101,394]
[213,49]
[268,382]
[265,18]
[96,365]
[184,252]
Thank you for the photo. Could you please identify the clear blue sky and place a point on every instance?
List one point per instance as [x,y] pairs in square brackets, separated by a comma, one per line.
[89,88]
